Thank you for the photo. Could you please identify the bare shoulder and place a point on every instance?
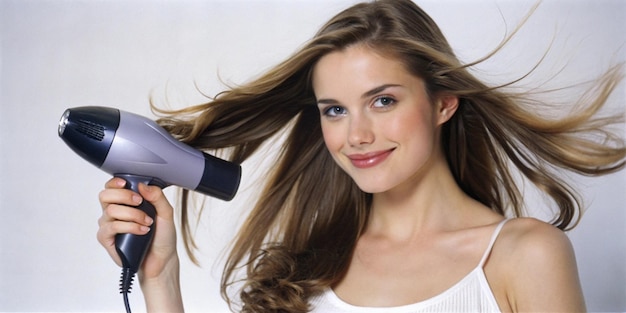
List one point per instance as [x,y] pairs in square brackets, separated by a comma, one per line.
[532,237]
[533,246]
[539,266]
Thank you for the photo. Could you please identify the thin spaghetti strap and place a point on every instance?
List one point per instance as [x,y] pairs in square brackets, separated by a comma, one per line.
[494,236]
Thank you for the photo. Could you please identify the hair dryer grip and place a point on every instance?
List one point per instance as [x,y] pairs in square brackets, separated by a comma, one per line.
[133,248]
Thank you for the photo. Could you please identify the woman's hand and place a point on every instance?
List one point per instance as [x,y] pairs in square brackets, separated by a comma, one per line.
[159,273]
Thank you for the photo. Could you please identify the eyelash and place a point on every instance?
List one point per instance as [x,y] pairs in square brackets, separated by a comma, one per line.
[327,111]
[378,99]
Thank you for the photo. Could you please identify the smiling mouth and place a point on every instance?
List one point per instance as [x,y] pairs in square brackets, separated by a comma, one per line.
[369,159]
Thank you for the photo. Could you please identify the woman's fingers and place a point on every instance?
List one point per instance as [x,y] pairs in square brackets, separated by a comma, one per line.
[114,193]
[119,196]
[115,182]
[115,212]
[107,231]
[155,196]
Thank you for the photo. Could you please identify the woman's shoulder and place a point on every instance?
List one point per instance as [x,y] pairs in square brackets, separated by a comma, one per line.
[530,235]
[536,263]
[527,241]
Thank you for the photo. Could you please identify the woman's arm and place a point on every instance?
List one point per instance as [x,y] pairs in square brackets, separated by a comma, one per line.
[162,293]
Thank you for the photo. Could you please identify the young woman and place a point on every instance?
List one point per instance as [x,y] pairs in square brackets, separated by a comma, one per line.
[394,189]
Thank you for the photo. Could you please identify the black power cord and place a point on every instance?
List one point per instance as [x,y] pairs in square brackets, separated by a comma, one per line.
[126,284]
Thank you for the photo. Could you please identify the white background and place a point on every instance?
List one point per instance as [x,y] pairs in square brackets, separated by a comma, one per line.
[60,54]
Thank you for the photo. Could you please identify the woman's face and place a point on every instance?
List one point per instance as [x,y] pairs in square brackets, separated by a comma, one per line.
[378,122]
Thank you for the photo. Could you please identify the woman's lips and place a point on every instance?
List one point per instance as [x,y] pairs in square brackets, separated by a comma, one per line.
[369,159]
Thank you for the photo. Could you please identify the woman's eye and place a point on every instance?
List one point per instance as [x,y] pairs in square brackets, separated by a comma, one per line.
[383,101]
[334,111]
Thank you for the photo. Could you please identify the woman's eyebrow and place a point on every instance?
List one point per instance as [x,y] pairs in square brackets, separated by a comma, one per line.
[327,102]
[378,89]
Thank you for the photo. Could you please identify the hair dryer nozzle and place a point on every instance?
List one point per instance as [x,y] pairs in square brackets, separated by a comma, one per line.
[89,131]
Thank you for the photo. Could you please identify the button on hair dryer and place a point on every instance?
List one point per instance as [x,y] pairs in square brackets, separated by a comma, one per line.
[138,150]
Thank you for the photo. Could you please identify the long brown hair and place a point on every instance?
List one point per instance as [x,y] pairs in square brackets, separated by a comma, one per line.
[299,236]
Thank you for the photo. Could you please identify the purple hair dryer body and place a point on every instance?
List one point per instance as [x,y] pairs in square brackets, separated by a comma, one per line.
[135,148]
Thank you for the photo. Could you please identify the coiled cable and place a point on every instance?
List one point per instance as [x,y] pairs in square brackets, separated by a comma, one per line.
[126,284]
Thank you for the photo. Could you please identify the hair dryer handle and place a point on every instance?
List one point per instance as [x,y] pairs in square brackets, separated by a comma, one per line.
[133,248]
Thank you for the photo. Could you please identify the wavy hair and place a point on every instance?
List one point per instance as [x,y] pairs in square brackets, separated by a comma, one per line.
[300,235]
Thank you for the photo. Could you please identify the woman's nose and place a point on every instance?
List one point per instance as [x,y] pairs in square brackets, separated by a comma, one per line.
[360,131]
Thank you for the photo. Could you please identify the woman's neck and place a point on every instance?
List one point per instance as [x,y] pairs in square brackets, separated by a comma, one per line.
[428,202]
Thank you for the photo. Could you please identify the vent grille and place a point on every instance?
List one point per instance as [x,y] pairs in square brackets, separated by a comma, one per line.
[91,129]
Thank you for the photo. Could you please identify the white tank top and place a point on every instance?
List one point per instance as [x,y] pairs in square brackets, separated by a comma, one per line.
[470,294]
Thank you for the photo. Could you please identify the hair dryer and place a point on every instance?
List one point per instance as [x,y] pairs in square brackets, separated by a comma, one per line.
[140,151]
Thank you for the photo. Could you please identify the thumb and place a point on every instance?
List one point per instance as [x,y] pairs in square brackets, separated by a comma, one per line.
[155,195]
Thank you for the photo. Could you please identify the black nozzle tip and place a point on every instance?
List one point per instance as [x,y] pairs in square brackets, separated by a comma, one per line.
[220,178]
[89,131]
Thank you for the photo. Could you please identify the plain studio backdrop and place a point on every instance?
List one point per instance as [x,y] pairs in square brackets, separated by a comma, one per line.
[60,53]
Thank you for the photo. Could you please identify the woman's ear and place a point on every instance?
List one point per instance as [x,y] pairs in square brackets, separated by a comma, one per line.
[446,107]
